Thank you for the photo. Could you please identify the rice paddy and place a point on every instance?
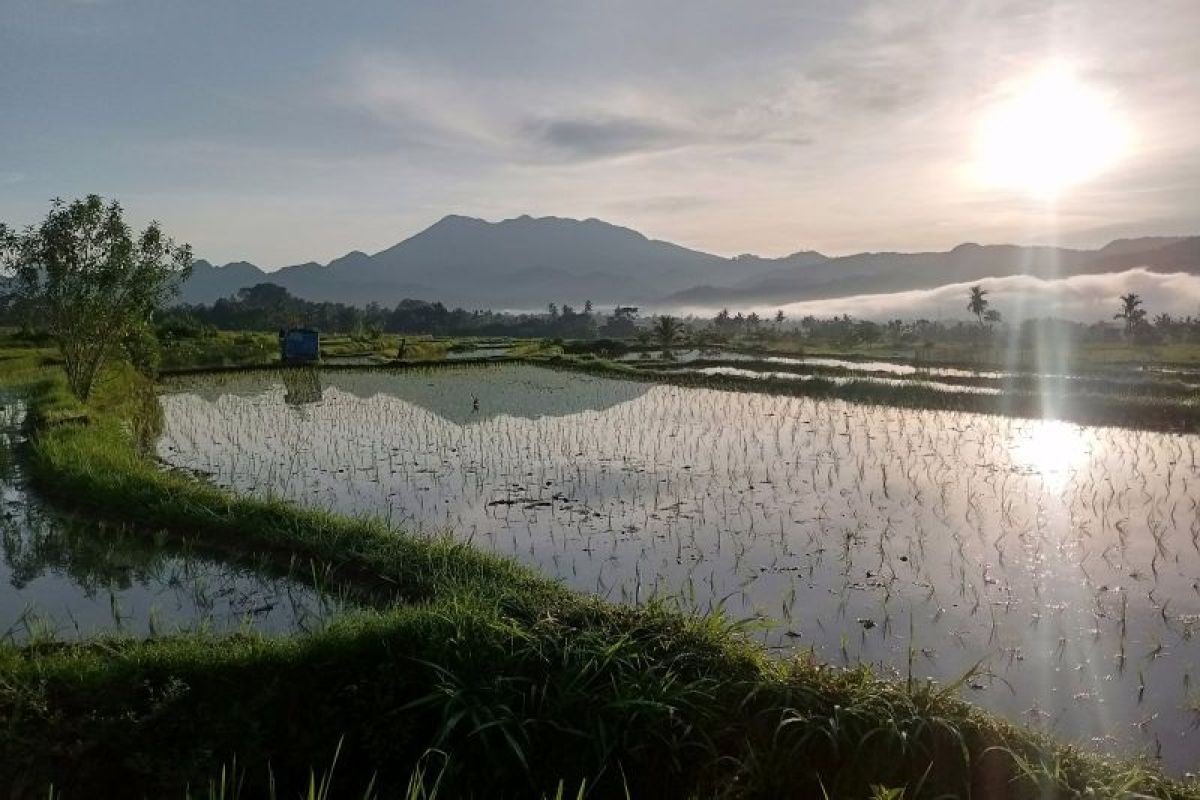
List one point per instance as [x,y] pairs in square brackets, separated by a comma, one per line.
[67,579]
[1056,566]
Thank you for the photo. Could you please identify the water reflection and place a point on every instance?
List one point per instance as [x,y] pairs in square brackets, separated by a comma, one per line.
[1052,449]
[301,386]
[449,392]
[1067,558]
[65,578]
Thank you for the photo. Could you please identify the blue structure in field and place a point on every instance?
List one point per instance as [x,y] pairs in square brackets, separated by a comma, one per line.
[299,346]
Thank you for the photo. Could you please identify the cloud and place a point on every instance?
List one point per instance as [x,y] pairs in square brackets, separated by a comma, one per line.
[1084,298]
[836,126]
[614,136]
[529,121]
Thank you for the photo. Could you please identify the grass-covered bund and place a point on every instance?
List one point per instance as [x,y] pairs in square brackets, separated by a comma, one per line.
[481,674]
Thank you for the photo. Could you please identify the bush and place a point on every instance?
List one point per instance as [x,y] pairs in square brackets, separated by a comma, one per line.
[142,351]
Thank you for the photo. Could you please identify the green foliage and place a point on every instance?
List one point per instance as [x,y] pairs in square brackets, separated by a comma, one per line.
[142,350]
[666,330]
[85,277]
[219,350]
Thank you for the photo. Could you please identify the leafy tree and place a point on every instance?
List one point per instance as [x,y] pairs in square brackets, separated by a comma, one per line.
[142,350]
[666,330]
[1132,312]
[620,324]
[992,316]
[978,304]
[90,281]
[265,297]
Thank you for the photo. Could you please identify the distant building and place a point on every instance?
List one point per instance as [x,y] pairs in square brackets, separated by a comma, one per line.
[626,311]
[299,346]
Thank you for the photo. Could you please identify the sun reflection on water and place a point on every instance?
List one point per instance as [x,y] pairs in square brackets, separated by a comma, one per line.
[1052,449]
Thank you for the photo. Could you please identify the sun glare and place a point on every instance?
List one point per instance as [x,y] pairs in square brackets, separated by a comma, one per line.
[1051,133]
[1051,449]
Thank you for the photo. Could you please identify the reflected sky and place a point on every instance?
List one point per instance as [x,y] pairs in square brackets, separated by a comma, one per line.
[66,579]
[1066,558]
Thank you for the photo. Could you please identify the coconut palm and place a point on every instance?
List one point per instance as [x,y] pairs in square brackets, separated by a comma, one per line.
[978,303]
[666,330]
[1132,312]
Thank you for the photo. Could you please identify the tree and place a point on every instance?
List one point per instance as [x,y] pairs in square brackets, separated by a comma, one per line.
[992,316]
[90,282]
[978,303]
[666,330]
[1132,312]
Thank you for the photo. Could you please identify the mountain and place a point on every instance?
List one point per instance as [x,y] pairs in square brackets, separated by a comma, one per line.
[527,262]
[208,283]
[517,263]
[881,273]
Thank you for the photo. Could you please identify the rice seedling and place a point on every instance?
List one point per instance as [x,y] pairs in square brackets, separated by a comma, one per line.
[807,511]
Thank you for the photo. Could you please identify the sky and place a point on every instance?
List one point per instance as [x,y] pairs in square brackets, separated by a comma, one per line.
[283,132]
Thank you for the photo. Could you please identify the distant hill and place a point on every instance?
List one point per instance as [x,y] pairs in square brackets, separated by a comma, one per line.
[527,262]
[522,263]
[880,273]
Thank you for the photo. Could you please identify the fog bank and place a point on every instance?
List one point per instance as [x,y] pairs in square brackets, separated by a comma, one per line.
[1083,298]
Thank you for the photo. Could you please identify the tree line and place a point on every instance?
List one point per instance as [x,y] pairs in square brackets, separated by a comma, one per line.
[83,279]
[268,306]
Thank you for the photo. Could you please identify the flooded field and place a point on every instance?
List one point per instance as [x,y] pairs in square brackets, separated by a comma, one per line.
[737,372]
[876,369]
[1064,561]
[68,579]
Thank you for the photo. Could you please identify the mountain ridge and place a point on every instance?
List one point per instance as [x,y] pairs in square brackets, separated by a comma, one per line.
[525,262]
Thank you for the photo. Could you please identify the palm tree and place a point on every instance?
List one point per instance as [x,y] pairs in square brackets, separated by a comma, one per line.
[978,303]
[666,330]
[1132,312]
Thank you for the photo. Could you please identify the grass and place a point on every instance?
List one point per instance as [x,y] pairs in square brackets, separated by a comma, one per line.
[525,686]
[220,349]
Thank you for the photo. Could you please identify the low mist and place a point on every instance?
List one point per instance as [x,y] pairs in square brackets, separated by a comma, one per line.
[1082,298]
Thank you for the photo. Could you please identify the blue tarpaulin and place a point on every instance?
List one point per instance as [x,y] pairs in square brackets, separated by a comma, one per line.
[299,345]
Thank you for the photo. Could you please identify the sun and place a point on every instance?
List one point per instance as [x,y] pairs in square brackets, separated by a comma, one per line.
[1051,133]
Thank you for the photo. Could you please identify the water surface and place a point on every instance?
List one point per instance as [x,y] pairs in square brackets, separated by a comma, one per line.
[65,578]
[1063,559]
